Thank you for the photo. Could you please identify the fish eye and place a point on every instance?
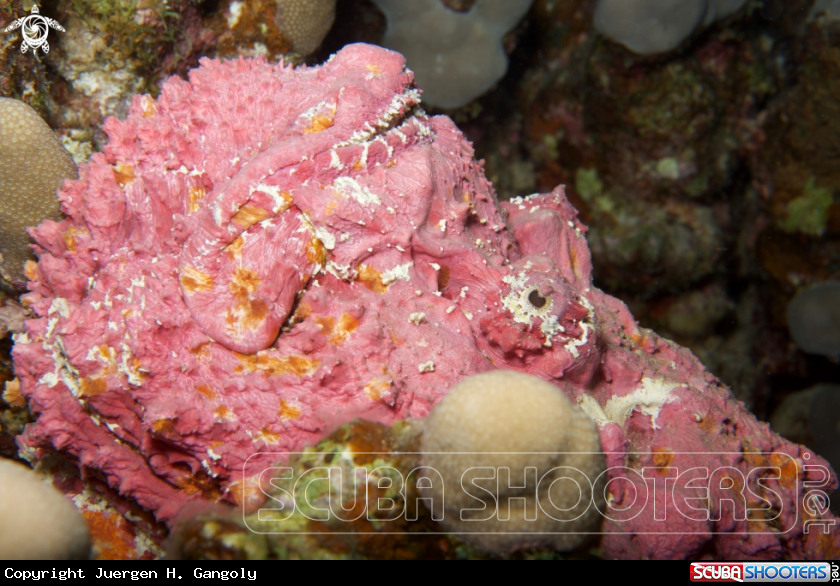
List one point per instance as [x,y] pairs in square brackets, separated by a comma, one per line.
[534,303]
[536,299]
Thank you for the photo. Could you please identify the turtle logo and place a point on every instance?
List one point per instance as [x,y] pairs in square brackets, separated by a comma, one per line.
[35,30]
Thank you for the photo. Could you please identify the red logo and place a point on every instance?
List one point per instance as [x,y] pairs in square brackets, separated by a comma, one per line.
[717,572]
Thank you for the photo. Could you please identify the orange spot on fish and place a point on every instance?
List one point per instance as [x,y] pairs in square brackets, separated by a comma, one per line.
[192,280]
[70,235]
[789,469]
[162,426]
[123,173]
[92,386]
[288,411]
[315,252]
[244,282]
[326,323]
[268,436]
[319,123]
[376,387]
[234,249]
[196,194]
[223,412]
[371,278]
[247,216]
[205,391]
[662,458]
[275,366]
[247,313]
[347,324]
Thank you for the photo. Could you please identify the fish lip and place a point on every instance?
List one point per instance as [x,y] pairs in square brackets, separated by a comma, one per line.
[403,107]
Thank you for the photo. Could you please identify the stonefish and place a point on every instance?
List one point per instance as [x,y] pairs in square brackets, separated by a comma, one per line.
[264,253]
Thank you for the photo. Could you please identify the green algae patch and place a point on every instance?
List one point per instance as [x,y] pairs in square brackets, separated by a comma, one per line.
[668,168]
[351,496]
[808,213]
[587,183]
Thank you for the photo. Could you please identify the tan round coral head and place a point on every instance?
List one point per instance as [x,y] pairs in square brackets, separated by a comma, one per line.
[517,444]
[33,165]
[36,521]
[305,22]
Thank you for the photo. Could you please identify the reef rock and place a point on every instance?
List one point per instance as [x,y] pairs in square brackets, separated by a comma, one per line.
[655,26]
[457,56]
[265,253]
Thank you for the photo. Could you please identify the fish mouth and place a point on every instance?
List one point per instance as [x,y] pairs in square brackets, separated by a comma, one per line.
[403,107]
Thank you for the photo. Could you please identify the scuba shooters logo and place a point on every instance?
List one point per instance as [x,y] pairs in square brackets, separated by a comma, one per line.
[765,572]
[34,29]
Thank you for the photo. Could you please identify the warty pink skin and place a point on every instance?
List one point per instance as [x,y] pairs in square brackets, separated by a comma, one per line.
[265,253]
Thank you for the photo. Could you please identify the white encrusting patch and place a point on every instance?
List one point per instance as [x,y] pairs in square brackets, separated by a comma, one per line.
[388,148]
[573,344]
[550,328]
[335,162]
[318,109]
[343,272]
[235,11]
[591,407]
[363,160]
[398,105]
[398,272]
[349,187]
[426,367]
[133,376]
[649,399]
[59,305]
[64,371]
[324,235]
[417,318]
[281,204]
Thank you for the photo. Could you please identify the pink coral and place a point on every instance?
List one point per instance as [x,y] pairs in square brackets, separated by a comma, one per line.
[264,253]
